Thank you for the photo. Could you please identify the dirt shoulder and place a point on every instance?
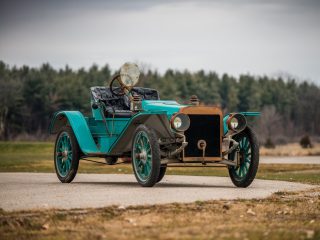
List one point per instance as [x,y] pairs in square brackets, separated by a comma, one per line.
[281,216]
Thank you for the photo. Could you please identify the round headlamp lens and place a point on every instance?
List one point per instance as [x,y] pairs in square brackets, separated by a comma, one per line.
[177,122]
[234,123]
[180,122]
[237,122]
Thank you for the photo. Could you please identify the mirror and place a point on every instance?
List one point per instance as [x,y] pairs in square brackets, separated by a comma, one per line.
[129,74]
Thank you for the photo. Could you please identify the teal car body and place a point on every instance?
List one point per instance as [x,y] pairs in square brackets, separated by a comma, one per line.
[153,133]
[86,128]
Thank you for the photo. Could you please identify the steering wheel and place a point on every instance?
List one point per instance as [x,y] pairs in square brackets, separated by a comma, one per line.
[119,90]
[128,77]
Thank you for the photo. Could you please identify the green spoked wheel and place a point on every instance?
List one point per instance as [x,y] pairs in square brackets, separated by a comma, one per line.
[245,158]
[244,174]
[145,156]
[142,156]
[66,155]
[63,154]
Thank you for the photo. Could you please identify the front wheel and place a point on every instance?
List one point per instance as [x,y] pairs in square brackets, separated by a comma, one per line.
[244,174]
[66,155]
[162,172]
[146,156]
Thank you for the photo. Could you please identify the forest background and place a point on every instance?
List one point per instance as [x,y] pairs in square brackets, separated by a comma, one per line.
[29,97]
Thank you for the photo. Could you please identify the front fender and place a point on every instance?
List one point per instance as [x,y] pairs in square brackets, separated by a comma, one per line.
[79,125]
[158,121]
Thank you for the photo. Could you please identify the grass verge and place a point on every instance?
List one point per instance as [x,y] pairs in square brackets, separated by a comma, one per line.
[282,216]
[37,157]
[291,149]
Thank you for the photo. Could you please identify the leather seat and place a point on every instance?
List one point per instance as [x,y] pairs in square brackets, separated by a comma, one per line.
[119,107]
[110,113]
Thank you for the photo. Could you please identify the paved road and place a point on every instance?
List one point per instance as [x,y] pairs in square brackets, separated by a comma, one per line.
[290,160]
[42,190]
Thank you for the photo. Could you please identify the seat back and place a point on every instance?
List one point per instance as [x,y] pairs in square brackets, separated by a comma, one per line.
[121,103]
[105,95]
[146,93]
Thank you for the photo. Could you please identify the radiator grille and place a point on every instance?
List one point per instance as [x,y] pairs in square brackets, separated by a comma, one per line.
[206,127]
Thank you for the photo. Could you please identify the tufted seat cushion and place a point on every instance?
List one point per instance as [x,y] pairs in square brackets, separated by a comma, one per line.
[119,107]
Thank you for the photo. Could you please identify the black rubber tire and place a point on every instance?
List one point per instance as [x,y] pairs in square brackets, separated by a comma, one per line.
[111,160]
[75,156]
[156,157]
[162,172]
[253,168]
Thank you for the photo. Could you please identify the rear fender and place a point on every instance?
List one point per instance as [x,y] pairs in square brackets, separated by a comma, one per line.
[79,125]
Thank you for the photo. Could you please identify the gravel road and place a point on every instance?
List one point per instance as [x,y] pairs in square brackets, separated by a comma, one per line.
[21,191]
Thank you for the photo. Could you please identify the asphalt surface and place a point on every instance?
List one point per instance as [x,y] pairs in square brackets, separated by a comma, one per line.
[290,160]
[22,191]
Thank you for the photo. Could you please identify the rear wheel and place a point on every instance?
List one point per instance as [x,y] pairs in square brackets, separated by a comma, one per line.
[66,155]
[146,156]
[244,174]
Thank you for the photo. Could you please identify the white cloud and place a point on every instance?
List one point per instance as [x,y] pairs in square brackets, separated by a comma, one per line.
[233,38]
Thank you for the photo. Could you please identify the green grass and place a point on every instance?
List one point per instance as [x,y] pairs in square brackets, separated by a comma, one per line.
[26,157]
[38,157]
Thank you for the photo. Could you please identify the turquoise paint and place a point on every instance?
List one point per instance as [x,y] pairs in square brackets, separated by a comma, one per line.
[104,143]
[170,107]
[80,128]
[248,114]
[97,127]
[97,113]
[116,125]
[106,137]
[251,114]
[114,129]
[225,126]
[107,127]
[129,122]
[106,133]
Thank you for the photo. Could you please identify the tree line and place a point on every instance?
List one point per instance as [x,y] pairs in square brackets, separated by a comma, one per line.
[29,97]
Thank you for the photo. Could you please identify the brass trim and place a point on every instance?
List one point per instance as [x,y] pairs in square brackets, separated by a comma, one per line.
[201,159]
[208,110]
[204,110]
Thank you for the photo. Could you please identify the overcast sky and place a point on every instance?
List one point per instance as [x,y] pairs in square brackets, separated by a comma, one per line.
[257,37]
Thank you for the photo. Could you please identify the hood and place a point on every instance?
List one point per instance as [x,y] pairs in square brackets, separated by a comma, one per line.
[170,107]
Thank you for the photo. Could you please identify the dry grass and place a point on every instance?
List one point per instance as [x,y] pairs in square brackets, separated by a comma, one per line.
[282,216]
[37,157]
[292,149]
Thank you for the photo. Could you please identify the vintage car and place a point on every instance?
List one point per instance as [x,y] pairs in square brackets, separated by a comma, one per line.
[131,122]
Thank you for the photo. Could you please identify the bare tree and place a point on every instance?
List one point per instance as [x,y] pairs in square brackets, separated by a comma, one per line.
[270,123]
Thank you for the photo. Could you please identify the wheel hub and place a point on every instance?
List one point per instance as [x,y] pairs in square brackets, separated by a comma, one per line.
[142,156]
[64,155]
